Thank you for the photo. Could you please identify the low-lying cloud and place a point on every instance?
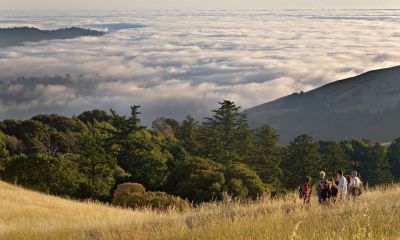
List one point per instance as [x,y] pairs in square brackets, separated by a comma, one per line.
[179,63]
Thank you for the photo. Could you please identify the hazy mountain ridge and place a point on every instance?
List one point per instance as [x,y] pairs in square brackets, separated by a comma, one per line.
[361,106]
[19,35]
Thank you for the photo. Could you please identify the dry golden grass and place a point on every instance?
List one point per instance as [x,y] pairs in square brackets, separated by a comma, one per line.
[26,214]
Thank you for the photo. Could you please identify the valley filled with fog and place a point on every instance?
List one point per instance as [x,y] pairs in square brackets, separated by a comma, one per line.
[175,63]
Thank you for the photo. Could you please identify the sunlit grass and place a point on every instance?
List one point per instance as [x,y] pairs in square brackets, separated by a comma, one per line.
[26,214]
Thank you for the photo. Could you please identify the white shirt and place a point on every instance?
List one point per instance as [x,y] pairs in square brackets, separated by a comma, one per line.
[342,186]
[356,182]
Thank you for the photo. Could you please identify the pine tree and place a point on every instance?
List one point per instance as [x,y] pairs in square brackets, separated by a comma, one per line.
[265,156]
[97,165]
[302,160]
[226,120]
[187,134]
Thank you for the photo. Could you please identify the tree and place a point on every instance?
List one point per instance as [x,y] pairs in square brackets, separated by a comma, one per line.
[187,135]
[54,175]
[14,145]
[393,156]
[163,128]
[97,165]
[244,139]
[265,155]
[209,144]
[302,160]
[225,120]
[98,115]
[374,168]
[3,150]
[333,157]
[133,122]
[243,182]
[143,155]
[140,153]
[355,150]
[61,123]
[197,179]
[38,137]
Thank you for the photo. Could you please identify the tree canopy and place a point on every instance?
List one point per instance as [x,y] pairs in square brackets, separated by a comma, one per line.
[98,155]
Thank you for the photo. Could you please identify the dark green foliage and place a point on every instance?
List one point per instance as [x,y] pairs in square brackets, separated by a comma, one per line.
[187,133]
[95,115]
[302,160]
[370,160]
[120,175]
[243,182]
[374,168]
[37,137]
[4,154]
[134,195]
[90,155]
[142,155]
[55,175]
[393,156]
[265,155]
[333,158]
[355,150]
[3,151]
[197,179]
[97,167]
[209,144]
[227,125]
[61,123]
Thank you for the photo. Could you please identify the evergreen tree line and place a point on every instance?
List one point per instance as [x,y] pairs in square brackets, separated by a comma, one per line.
[114,158]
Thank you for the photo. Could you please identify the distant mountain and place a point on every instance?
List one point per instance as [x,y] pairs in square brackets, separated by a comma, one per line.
[19,35]
[365,106]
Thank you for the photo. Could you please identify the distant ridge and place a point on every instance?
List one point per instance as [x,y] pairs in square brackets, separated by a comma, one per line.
[365,106]
[19,35]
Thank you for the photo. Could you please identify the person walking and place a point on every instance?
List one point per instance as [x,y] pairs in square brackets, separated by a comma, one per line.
[334,188]
[356,184]
[305,190]
[342,186]
[321,187]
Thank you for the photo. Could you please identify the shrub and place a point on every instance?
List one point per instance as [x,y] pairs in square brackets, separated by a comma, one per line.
[134,195]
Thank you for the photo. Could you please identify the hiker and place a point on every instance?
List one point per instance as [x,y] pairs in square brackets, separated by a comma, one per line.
[322,188]
[349,180]
[334,188]
[305,190]
[342,186]
[327,193]
[355,186]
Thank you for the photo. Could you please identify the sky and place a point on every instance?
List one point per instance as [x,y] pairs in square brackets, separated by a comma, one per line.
[194,4]
[175,63]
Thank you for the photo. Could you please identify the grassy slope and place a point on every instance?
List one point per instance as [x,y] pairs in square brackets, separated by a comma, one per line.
[29,215]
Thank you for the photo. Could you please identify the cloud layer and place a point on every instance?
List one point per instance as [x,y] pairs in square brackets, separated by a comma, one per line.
[179,63]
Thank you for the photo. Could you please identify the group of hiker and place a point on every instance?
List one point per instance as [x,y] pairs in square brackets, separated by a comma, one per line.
[334,189]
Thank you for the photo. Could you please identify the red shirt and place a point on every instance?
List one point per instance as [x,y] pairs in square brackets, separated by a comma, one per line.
[306,188]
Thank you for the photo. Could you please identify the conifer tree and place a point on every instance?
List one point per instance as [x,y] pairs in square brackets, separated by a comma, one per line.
[302,160]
